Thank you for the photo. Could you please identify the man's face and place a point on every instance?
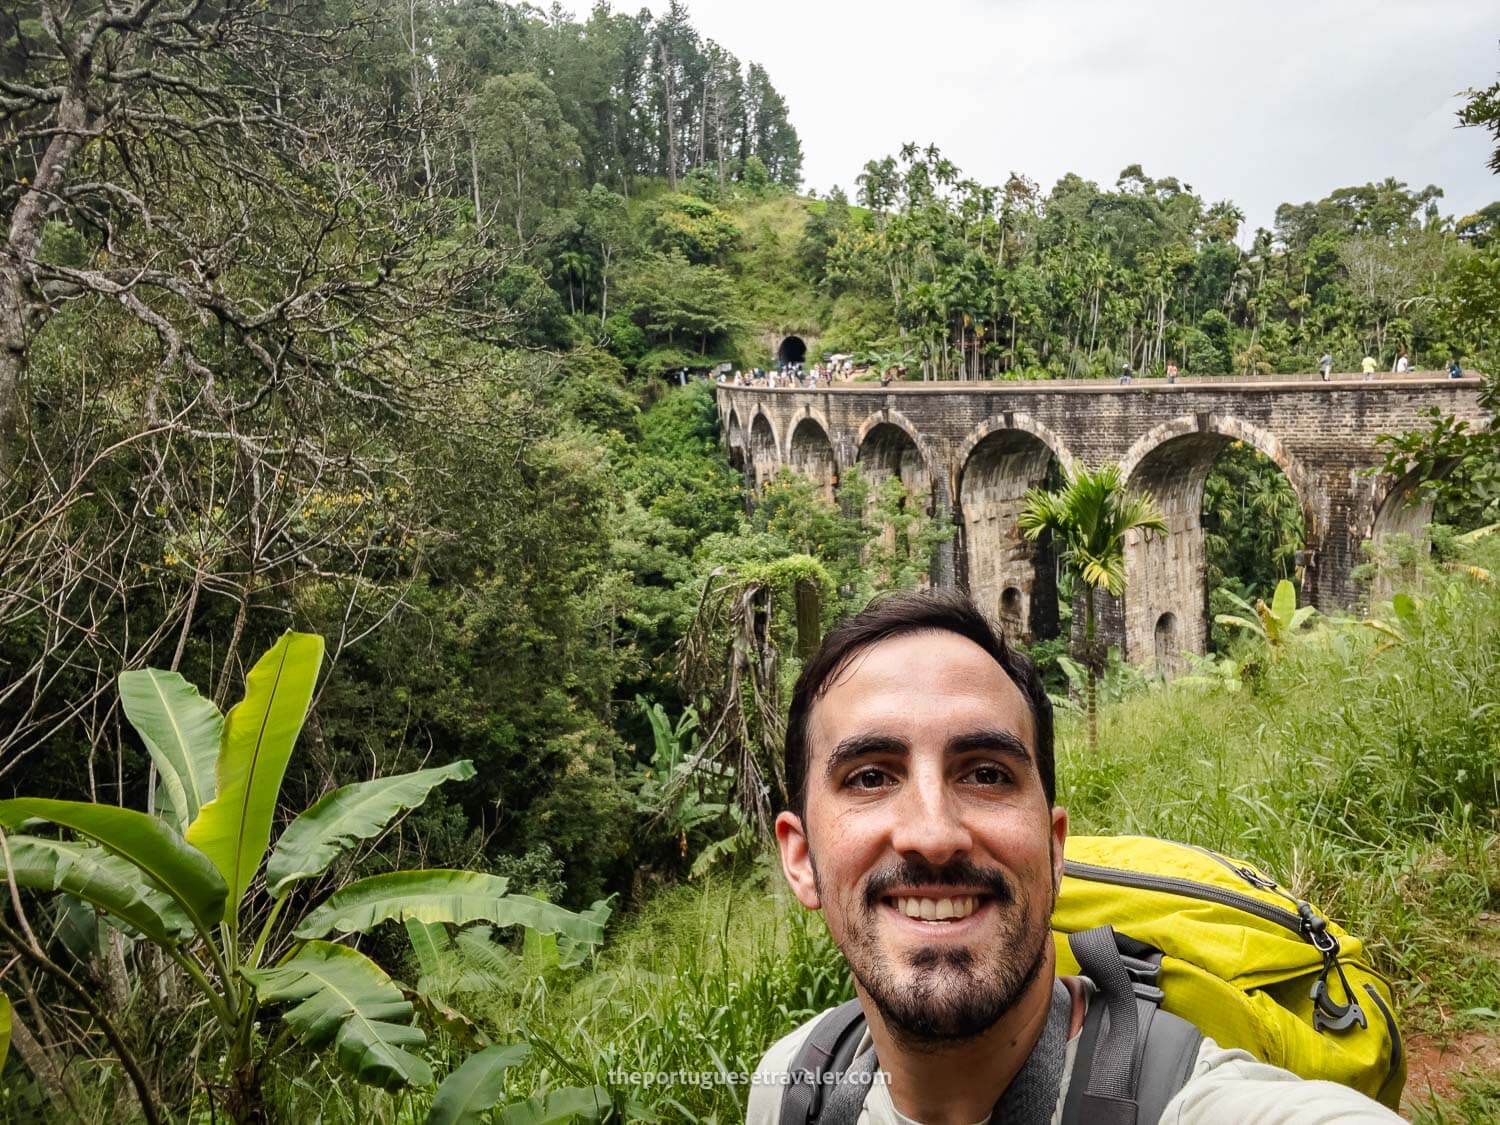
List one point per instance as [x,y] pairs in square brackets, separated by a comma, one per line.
[927,840]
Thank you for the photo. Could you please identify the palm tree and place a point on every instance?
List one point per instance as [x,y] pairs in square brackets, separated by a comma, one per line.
[1088,518]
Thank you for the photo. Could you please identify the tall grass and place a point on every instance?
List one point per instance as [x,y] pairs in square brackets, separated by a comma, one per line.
[703,981]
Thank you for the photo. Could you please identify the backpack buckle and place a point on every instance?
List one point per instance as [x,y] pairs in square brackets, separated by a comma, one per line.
[1144,973]
[1329,1015]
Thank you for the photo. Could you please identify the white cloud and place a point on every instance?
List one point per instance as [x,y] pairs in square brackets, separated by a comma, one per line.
[1262,103]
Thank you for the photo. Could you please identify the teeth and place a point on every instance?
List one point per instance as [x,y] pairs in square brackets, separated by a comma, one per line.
[938,909]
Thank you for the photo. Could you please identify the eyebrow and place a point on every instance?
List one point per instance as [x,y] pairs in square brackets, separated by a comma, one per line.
[1004,742]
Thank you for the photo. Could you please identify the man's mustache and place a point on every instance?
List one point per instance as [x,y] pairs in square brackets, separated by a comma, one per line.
[958,873]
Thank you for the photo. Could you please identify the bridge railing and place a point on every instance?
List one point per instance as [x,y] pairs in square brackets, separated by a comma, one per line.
[1346,378]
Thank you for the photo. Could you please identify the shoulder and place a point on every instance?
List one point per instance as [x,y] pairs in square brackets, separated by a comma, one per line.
[1232,1085]
[769,1080]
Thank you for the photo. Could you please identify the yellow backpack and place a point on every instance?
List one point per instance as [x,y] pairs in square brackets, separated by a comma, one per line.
[1249,964]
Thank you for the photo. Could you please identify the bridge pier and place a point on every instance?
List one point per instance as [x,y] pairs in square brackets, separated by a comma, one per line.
[1011,577]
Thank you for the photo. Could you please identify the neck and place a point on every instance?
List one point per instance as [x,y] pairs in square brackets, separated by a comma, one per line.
[959,1083]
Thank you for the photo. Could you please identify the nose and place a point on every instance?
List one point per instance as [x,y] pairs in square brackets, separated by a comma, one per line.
[929,821]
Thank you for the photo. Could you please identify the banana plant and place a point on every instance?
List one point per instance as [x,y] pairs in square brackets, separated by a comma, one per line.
[1275,624]
[476,1087]
[195,878]
[470,961]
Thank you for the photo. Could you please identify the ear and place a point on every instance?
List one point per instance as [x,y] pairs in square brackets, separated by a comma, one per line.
[1059,840]
[796,859]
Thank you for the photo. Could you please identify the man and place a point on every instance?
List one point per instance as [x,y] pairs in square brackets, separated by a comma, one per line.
[1368,365]
[922,824]
[1125,372]
[1325,365]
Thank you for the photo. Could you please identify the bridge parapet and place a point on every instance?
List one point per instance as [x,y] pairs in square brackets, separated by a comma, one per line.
[980,445]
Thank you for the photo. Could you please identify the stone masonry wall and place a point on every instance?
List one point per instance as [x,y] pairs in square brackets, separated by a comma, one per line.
[1165,437]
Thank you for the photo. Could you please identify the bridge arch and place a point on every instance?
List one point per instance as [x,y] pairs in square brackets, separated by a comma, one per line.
[765,458]
[1016,421]
[1011,577]
[1402,508]
[888,444]
[1165,607]
[736,443]
[809,451]
[1226,428]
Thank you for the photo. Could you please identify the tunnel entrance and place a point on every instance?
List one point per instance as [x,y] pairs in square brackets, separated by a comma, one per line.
[793,350]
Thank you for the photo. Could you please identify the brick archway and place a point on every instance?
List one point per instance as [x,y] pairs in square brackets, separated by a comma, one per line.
[809,451]
[1165,574]
[1009,576]
[765,456]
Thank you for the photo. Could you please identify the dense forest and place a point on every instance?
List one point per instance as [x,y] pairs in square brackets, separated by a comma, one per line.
[979,281]
[355,319]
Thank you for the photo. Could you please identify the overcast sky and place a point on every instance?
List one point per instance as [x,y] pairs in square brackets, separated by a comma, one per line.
[1260,102]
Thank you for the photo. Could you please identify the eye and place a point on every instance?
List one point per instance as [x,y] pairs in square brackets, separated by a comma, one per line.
[867,778]
[989,774]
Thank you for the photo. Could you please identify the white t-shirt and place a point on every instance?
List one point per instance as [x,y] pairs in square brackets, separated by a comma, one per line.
[1225,1086]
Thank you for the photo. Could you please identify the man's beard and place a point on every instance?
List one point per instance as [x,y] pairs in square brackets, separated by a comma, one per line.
[951,994]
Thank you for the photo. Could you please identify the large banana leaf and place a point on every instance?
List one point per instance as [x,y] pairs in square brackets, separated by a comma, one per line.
[99,878]
[181,731]
[81,930]
[355,812]
[475,1086]
[346,998]
[570,1103]
[234,828]
[172,864]
[1284,603]
[431,944]
[457,897]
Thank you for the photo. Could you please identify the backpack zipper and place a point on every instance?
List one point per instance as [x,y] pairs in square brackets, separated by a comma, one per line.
[1189,889]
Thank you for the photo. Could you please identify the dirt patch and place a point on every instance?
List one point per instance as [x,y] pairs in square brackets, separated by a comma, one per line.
[1435,1063]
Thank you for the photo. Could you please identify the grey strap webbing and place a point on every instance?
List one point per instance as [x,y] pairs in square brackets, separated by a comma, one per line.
[1153,1052]
[1109,1095]
[827,1051]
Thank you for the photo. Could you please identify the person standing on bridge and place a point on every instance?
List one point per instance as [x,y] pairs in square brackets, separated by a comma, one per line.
[1367,365]
[1454,370]
[1325,366]
[1125,372]
[1403,365]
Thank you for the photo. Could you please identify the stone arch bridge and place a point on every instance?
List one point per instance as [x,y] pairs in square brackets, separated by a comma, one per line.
[976,449]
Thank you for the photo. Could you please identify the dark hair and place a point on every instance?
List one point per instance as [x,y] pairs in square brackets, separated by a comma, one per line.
[896,615]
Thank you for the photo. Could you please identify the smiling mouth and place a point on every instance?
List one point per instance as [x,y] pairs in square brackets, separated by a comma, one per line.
[954,908]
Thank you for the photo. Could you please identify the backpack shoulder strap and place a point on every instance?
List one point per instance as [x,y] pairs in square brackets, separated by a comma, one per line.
[1132,1057]
[827,1051]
